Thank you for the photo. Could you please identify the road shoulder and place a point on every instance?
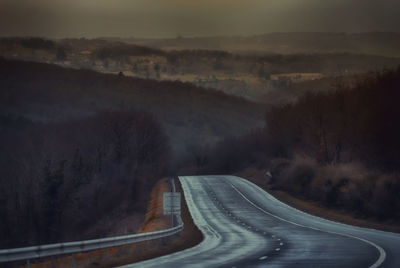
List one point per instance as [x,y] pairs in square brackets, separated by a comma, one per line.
[258,177]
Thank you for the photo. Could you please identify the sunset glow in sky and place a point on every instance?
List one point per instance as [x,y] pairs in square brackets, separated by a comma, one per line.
[168,18]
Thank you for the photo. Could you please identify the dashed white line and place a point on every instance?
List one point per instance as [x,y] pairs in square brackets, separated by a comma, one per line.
[382,253]
[263,258]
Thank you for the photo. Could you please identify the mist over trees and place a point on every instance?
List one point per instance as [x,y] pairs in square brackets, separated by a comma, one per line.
[189,114]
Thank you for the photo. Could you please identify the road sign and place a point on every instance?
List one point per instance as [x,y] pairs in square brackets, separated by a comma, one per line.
[172,203]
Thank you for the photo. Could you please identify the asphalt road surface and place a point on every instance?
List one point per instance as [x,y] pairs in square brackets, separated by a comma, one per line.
[243,226]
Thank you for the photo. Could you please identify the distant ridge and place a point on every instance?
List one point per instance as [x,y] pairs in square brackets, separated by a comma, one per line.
[370,43]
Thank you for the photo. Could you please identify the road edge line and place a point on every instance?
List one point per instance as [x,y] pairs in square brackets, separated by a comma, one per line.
[382,253]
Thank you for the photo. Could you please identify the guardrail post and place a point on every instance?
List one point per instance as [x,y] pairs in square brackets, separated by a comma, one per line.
[52,262]
[104,255]
[73,260]
[28,263]
[141,247]
[134,249]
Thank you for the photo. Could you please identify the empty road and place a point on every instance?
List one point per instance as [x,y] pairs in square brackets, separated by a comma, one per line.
[243,226]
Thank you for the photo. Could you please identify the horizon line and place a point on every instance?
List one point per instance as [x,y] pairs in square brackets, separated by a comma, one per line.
[181,36]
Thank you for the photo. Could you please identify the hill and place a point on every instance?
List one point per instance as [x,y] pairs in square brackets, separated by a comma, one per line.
[190,114]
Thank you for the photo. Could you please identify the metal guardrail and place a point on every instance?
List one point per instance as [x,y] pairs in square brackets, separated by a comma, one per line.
[29,253]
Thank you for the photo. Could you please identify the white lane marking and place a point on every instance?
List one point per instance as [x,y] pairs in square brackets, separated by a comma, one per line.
[277,249]
[281,244]
[382,253]
[263,258]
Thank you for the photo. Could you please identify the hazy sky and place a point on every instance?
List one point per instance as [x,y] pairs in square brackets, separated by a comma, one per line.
[168,18]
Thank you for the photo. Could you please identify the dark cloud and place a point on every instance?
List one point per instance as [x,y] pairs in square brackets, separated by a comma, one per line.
[152,18]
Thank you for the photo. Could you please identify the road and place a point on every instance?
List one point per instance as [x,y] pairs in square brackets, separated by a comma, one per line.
[244,226]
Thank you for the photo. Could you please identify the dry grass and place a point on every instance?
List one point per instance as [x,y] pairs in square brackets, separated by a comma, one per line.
[154,219]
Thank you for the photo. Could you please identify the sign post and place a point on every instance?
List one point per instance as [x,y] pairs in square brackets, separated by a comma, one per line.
[172,204]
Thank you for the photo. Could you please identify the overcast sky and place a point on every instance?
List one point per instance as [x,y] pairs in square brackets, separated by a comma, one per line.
[169,18]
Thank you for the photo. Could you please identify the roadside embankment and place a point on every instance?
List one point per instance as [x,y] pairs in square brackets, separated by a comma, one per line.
[259,177]
[154,220]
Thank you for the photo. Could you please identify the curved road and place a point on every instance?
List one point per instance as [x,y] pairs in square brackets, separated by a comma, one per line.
[244,226]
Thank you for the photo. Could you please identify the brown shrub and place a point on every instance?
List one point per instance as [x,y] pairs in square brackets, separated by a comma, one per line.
[349,186]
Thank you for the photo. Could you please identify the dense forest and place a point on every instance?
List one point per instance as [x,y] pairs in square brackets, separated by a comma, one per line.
[57,178]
